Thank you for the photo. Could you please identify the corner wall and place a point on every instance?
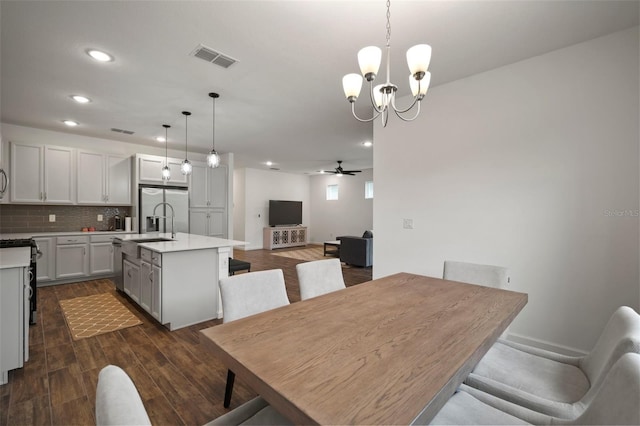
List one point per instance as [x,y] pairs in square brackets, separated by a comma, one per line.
[351,214]
[260,186]
[533,166]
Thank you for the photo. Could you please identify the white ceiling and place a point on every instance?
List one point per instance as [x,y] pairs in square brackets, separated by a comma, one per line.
[283,100]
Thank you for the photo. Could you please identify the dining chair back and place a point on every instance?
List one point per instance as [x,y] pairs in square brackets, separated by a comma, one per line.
[472,273]
[252,293]
[319,277]
[249,294]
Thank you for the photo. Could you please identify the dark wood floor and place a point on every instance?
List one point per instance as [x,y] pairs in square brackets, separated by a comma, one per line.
[179,381]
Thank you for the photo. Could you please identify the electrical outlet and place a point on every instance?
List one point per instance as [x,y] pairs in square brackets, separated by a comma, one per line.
[407,223]
[99,218]
[52,218]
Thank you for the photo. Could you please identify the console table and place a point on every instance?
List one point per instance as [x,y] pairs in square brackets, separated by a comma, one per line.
[284,236]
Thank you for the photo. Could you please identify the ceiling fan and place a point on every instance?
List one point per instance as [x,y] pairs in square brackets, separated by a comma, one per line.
[340,171]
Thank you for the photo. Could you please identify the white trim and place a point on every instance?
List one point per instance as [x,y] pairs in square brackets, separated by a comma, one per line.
[543,344]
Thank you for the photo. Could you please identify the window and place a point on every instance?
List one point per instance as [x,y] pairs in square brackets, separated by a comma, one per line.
[368,189]
[332,192]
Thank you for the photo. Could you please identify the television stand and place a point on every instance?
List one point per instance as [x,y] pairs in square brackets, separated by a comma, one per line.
[284,236]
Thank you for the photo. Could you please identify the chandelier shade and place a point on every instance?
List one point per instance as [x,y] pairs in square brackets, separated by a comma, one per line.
[383,96]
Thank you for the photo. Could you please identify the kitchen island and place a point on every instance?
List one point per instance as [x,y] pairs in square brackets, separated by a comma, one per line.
[175,279]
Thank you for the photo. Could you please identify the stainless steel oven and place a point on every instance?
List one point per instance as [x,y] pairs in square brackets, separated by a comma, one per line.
[28,242]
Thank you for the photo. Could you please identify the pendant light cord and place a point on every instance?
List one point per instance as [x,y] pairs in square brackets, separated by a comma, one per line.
[213,124]
[388,23]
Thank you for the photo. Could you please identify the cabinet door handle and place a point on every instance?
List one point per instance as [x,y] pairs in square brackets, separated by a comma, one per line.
[41,196]
[151,276]
[84,251]
[45,196]
[129,273]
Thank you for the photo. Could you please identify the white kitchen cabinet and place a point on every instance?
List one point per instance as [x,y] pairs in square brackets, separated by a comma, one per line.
[46,261]
[146,285]
[151,282]
[209,222]
[72,257]
[103,178]
[156,293]
[131,280]
[101,254]
[150,170]
[14,319]
[42,174]
[208,186]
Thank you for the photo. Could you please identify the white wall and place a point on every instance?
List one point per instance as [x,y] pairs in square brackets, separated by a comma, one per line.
[239,204]
[534,166]
[260,186]
[351,214]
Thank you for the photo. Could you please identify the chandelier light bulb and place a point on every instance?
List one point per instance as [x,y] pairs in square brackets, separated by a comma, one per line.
[378,96]
[418,58]
[352,84]
[369,59]
[424,84]
[213,159]
[186,168]
[166,173]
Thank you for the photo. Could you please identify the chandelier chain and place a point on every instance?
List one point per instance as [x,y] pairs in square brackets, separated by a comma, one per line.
[388,22]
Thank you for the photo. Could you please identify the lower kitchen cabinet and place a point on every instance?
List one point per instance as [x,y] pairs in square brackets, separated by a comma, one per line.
[156,293]
[101,255]
[72,258]
[46,261]
[151,283]
[14,320]
[131,280]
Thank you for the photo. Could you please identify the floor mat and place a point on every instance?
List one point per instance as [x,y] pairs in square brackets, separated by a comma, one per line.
[98,314]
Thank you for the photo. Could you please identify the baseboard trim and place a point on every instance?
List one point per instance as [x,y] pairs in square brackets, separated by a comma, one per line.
[543,344]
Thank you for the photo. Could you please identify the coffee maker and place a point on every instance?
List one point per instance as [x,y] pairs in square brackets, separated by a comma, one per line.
[118,223]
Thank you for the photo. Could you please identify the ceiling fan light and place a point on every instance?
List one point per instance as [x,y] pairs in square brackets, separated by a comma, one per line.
[186,168]
[166,173]
[369,59]
[213,159]
[418,58]
[352,84]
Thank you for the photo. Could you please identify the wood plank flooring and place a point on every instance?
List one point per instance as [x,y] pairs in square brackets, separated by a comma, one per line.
[179,381]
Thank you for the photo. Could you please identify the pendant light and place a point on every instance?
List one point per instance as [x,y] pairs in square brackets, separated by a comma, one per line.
[186,168]
[166,173]
[213,158]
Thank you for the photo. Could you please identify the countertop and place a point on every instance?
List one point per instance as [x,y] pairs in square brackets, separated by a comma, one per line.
[13,236]
[15,257]
[182,242]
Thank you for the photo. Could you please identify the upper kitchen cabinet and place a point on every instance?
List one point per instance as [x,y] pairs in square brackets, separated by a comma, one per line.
[104,179]
[150,170]
[42,174]
[208,186]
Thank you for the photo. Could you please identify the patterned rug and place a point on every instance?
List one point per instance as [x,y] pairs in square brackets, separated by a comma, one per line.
[98,314]
[309,253]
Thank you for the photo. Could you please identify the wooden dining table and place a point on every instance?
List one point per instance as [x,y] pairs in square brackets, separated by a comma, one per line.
[388,351]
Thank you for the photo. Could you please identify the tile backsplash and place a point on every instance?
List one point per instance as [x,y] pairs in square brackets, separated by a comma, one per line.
[35,218]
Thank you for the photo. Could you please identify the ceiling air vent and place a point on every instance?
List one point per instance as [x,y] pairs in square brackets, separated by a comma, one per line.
[126,132]
[208,54]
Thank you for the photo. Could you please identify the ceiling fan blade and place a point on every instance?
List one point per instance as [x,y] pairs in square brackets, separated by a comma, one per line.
[352,171]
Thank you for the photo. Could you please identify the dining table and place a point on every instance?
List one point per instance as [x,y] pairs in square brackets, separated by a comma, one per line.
[387,351]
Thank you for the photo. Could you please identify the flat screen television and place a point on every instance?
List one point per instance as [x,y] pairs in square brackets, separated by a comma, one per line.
[285,213]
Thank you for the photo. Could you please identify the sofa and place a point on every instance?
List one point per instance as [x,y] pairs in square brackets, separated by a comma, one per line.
[357,251]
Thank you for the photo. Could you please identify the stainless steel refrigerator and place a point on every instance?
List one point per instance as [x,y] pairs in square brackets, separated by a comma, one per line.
[151,196]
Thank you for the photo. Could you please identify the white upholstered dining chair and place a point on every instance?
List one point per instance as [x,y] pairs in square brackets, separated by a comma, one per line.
[319,277]
[472,273]
[118,403]
[551,383]
[614,402]
[250,294]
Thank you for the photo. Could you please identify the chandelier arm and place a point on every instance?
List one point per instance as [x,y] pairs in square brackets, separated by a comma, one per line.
[363,120]
[385,117]
[408,119]
[373,100]
[402,111]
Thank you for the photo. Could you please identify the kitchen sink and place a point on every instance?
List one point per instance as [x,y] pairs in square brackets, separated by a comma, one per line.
[153,240]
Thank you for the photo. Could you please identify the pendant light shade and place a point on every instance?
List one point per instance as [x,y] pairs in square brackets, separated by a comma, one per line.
[166,173]
[213,158]
[186,168]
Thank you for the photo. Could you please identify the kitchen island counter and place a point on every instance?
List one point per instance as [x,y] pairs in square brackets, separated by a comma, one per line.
[181,242]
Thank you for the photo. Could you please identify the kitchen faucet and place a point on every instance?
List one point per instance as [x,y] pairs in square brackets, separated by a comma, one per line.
[173,215]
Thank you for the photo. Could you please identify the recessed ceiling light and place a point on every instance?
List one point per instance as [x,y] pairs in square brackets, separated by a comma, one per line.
[70,123]
[367,144]
[99,55]
[80,99]
[161,139]
[269,163]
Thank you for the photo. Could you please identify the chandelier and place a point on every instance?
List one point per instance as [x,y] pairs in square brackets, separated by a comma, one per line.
[166,172]
[383,95]
[213,158]
[186,168]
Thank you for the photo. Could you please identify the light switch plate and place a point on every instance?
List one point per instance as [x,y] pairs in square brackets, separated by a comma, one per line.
[99,218]
[52,218]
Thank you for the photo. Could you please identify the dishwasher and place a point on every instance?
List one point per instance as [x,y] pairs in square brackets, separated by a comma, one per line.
[117,264]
